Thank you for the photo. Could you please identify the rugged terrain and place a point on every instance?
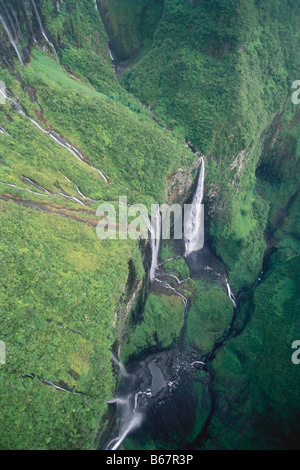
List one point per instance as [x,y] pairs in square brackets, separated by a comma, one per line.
[101,98]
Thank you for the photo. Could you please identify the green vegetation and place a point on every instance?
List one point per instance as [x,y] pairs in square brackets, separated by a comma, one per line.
[83,51]
[59,289]
[61,286]
[217,73]
[208,317]
[130,24]
[99,128]
[254,372]
[210,68]
[178,267]
[161,324]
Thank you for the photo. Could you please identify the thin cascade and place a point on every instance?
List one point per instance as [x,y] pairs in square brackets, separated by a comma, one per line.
[30,181]
[113,59]
[193,228]
[43,31]
[54,135]
[120,365]
[77,189]
[11,38]
[155,232]
[230,294]
[48,194]
[9,18]
[10,185]
[179,282]
[48,382]
[138,394]
[198,362]
[111,54]
[167,286]
[17,23]
[169,259]
[130,417]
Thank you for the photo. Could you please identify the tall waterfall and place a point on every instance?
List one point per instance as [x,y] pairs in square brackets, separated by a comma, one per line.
[230,294]
[193,233]
[42,29]
[130,417]
[155,232]
[134,423]
[11,38]
[120,365]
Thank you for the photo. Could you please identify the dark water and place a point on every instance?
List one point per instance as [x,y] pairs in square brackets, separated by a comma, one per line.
[162,385]
[158,382]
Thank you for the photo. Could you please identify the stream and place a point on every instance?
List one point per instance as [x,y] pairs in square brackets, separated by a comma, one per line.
[156,399]
[154,392]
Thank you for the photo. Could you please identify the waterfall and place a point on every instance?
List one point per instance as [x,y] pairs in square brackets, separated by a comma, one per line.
[10,36]
[118,401]
[17,23]
[111,54]
[130,418]
[66,196]
[230,294]
[134,423]
[193,226]
[121,367]
[167,286]
[42,30]
[16,105]
[179,282]
[155,232]
[8,17]
[128,407]
[54,135]
[136,397]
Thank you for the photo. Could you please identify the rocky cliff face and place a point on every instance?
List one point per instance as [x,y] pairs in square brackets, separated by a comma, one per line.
[130,26]
[181,185]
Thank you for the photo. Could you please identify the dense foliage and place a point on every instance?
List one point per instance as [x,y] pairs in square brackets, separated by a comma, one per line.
[217,73]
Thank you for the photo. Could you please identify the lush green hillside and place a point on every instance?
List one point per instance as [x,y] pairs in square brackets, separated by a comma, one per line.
[217,73]
[59,290]
[60,285]
[254,372]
